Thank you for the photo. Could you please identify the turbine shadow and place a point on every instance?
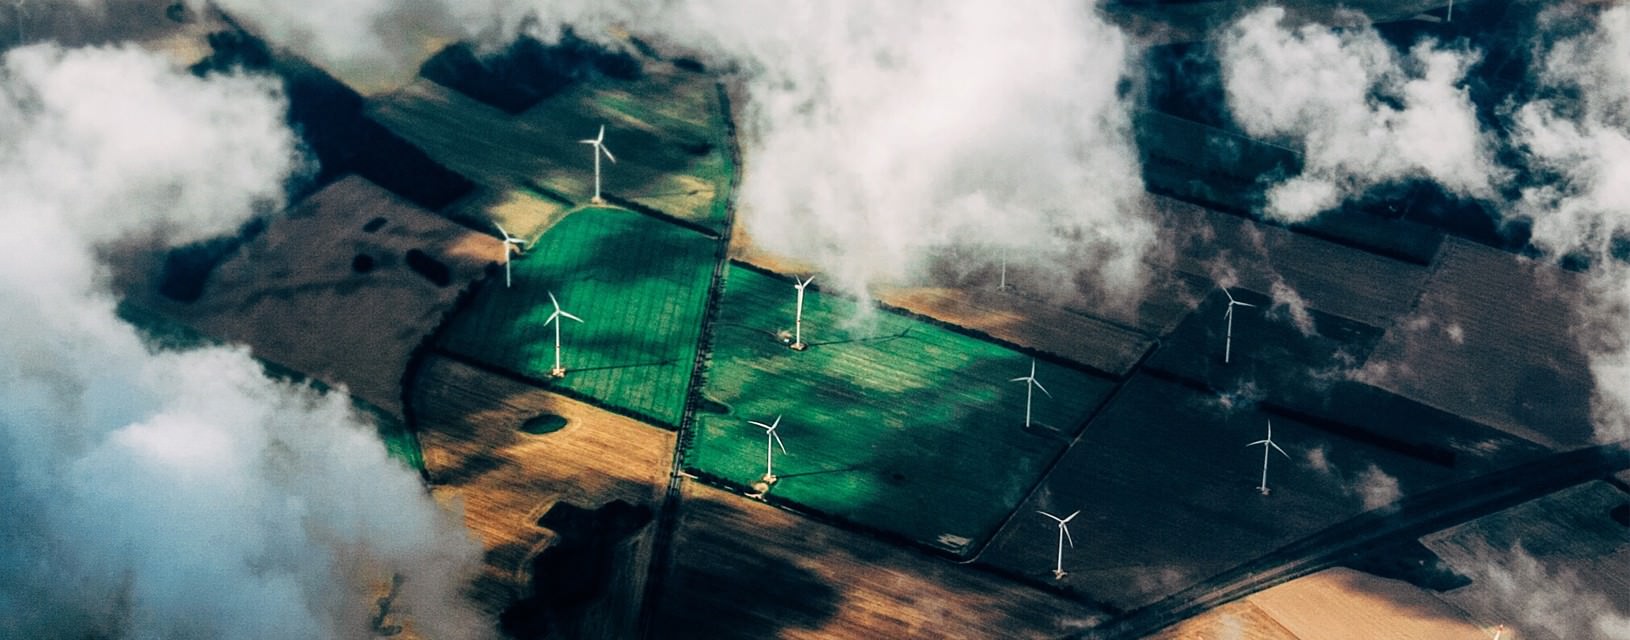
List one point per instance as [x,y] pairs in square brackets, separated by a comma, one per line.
[886,338]
[855,467]
[613,367]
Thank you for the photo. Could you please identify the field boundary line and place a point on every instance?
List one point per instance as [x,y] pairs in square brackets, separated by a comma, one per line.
[544,385]
[667,515]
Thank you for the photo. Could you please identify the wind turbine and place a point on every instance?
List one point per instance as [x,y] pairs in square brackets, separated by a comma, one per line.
[798,315]
[1228,345]
[1002,284]
[771,441]
[558,371]
[599,147]
[512,244]
[1063,534]
[1030,385]
[1267,444]
[20,8]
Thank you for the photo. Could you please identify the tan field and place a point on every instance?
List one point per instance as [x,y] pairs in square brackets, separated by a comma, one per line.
[506,479]
[1334,604]
[745,569]
[293,295]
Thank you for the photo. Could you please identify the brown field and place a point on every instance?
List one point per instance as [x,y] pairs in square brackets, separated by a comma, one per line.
[744,569]
[505,479]
[1492,340]
[1334,604]
[1337,280]
[1563,548]
[292,295]
[1167,493]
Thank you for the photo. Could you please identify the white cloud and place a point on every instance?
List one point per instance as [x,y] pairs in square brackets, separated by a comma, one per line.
[1361,113]
[171,494]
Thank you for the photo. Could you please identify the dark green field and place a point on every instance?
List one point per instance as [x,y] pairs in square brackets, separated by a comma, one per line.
[639,284]
[902,425]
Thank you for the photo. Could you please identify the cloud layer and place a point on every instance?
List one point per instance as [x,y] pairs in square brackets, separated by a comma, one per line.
[1361,113]
[175,494]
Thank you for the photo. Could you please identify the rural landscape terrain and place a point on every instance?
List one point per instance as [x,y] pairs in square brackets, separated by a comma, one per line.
[651,414]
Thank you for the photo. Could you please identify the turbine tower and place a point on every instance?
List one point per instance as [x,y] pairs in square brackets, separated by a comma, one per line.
[1228,344]
[512,244]
[1267,445]
[771,441]
[558,371]
[798,315]
[1063,534]
[1030,386]
[1001,285]
[599,144]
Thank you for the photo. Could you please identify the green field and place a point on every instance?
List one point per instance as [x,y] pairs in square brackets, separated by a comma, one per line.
[668,130]
[639,284]
[903,426]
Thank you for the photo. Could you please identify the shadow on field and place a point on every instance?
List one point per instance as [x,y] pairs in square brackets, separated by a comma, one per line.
[576,570]
[731,581]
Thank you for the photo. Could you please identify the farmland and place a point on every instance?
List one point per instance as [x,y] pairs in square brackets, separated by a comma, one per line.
[744,569]
[895,424]
[1500,316]
[639,284]
[1559,559]
[1334,604]
[1167,490]
[668,130]
[294,292]
[476,451]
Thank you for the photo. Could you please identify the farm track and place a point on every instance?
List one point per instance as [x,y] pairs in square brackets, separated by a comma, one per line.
[1413,517]
[667,516]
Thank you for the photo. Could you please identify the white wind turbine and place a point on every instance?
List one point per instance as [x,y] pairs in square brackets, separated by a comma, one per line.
[512,244]
[798,315]
[558,371]
[1228,344]
[1267,445]
[1030,386]
[771,441]
[20,7]
[1002,284]
[1500,630]
[1063,534]
[599,144]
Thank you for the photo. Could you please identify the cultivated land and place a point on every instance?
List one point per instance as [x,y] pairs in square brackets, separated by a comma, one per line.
[1167,490]
[296,295]
[1556,557]
[667,129]
[744,569]
[475,451]
[639,284]
[1489,341]
[901,425]
[1334,604]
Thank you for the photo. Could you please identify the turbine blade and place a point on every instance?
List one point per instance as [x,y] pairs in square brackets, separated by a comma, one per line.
[1229,295]
[1049,515]
[1019,379]
[1256,443]
[1276,448]
[1073,515]
[501,230]
[1245,304]
[1038,386]
[1067,535]
[765,426]
[569,316]
[588,142]
[551,318]
[553,301]
[602,136]
[606,151]
[776,423]
[777,437]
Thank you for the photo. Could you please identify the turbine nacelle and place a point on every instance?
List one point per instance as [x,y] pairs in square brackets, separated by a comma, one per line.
[769,430]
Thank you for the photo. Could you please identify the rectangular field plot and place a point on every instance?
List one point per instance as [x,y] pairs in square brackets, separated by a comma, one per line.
[903,426]
[1167,490]
[669,131]
[640,285]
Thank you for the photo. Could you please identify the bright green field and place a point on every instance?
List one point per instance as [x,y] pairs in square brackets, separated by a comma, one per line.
[639,284]
[905,426]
